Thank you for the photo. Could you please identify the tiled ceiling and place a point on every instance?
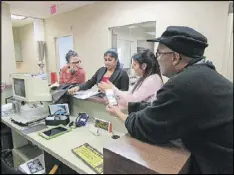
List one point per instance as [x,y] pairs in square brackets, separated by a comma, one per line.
[41,9]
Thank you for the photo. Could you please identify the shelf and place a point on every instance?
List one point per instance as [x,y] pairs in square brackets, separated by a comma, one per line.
[25,153]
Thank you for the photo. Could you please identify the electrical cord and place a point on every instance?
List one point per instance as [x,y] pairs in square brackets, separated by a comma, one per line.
[56,116]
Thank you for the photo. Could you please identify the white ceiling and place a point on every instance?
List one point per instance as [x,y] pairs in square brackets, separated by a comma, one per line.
[18,23]
[41,9]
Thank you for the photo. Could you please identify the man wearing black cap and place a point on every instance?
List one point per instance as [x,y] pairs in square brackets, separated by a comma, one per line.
[195,105]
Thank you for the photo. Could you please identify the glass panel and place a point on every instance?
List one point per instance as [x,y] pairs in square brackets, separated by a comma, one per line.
[130,39]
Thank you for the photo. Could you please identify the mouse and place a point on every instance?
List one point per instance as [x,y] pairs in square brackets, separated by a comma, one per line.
[115,137]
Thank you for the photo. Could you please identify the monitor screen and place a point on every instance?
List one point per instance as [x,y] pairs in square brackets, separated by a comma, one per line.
[19,87]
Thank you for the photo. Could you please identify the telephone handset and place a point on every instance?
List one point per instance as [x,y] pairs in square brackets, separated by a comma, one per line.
[82,119]
[72,70]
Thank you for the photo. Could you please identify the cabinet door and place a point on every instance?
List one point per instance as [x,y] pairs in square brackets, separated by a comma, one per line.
[18,56]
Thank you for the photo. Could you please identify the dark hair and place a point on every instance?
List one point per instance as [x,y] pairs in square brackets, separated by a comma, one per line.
[70,54]
[152,66]
[112,53]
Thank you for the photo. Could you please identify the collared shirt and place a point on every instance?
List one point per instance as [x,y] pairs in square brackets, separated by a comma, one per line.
[67,77]
[145,92]
[201,61]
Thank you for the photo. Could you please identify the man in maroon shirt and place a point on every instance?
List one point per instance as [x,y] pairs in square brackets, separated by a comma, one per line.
[72,73]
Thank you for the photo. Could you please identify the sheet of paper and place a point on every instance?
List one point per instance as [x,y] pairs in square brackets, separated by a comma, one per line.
[34,166]
[85,94]
[6,110]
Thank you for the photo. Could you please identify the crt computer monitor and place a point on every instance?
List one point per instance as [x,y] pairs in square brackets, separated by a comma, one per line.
[30,88]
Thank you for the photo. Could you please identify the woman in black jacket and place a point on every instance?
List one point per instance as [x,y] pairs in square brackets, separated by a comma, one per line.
[111,72]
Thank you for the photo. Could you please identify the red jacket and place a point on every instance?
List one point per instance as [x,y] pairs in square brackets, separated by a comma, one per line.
[67,77]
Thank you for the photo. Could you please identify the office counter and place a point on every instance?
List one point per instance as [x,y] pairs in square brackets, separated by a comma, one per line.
[131,156]
[130,152]
[59,147]
[96,107]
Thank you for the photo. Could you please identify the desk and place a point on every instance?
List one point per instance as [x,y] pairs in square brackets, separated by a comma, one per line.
[60,147]
[69,141]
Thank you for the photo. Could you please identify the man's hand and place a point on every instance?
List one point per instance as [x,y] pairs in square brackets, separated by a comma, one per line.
[73,90]
[115,111]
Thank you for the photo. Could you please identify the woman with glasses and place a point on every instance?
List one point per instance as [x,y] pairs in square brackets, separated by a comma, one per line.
[146,67]
[72,73]
[110,72]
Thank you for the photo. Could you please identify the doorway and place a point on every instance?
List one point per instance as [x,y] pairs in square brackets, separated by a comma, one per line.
[63,45]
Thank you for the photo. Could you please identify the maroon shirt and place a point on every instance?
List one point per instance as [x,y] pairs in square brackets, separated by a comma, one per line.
[67,77]
[104,79]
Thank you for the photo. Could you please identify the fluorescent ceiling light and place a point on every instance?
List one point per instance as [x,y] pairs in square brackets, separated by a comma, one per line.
[131,27]
[151,33]
[18,17]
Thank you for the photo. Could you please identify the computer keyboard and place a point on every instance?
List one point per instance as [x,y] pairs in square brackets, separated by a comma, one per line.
[30,116]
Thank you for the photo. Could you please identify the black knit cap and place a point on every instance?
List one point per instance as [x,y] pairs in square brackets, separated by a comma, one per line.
[184,40]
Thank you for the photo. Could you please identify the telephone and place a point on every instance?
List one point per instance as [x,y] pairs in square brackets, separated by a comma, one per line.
[72,70]
[82,119]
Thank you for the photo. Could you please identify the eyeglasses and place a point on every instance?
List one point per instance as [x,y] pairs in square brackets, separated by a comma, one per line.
[74,63]
[158,54]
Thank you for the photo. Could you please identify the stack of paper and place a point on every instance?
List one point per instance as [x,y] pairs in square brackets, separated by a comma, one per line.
[34,166]
[85,94]
[6,110]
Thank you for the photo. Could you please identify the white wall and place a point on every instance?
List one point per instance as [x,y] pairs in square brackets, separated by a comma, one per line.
[25,34]
[39,35]
[8,53]
[38,30]
[89,26]
[227,64]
